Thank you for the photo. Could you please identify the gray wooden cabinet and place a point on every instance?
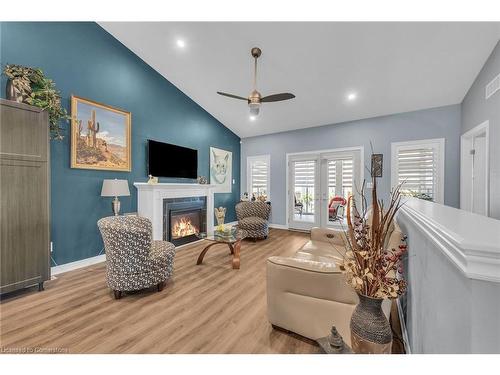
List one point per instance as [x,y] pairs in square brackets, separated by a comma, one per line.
[24,196]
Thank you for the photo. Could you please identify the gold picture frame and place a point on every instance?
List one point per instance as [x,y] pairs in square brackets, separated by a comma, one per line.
[100,136]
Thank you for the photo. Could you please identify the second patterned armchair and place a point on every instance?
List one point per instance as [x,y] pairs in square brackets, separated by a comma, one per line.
[253,217]
[133,260]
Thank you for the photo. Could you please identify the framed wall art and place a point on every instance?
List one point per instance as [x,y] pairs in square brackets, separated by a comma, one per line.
[221,169]
[377,164]
[100,136]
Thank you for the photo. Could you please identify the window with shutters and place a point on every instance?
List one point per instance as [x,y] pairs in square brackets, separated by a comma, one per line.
[419,167]
[258,175]
[340,176]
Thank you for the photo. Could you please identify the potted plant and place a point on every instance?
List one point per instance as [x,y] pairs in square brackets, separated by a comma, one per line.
[31,86]
[373,271]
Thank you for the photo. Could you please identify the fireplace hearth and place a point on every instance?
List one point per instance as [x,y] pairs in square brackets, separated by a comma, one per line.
[183,219]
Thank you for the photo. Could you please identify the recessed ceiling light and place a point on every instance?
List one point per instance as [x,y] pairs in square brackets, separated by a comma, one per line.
[181,43]
[253,118]
[351,96]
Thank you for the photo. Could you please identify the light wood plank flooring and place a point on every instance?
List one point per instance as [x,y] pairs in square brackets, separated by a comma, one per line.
[209,308]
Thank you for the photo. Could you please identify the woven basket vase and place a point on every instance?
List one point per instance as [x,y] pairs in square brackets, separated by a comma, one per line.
[370,331]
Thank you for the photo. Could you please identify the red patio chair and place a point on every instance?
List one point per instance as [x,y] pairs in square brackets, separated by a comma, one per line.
[336,208]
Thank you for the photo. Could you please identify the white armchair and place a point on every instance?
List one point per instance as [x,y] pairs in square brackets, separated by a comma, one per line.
[307,293]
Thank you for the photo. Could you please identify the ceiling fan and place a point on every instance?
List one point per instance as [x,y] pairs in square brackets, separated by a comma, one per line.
[255,99]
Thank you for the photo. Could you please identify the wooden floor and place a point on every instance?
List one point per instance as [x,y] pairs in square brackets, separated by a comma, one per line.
[209,308]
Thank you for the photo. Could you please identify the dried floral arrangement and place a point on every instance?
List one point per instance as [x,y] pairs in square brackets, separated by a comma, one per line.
[40,91]
[371,269]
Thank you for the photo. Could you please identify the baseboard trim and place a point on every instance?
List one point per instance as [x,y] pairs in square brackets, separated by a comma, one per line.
[299,230]
[56,270]
[406,339]
[278,226]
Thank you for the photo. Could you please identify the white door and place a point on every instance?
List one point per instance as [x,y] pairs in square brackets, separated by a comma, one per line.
[319,185]
[474,170]
[340,178]
[303,191]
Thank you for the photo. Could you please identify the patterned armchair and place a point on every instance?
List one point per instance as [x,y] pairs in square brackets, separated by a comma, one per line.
[253,217]
[133,260]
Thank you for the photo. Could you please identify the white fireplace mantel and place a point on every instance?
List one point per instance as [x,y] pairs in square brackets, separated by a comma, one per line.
[150,201]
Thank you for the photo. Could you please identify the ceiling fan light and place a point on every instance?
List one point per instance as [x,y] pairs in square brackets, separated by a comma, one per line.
[254,108]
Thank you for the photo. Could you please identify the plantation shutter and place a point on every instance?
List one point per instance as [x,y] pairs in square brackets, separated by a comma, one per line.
[347,173]
[304,173]
[417,169]
[259,175]
[332,174]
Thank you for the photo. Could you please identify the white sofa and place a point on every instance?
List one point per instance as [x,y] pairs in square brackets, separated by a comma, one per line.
[307,293]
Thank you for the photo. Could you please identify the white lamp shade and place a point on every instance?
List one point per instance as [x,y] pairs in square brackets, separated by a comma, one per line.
[115,188]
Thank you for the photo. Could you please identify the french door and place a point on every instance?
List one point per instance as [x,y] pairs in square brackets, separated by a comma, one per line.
[303,191]
[319,185]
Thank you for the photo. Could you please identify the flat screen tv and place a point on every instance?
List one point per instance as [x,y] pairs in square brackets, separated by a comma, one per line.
[166,160]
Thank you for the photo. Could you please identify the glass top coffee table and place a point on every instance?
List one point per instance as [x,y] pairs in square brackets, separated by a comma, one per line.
[231,239]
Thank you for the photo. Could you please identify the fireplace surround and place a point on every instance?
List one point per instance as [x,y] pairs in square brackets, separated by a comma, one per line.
[183,219]
[150,202]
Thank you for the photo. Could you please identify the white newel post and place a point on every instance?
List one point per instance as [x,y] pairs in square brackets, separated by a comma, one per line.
[150,201]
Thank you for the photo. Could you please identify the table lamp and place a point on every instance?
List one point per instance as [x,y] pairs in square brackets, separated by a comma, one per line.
[115,188]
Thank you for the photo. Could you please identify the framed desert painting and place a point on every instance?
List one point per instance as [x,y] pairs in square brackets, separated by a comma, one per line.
[100,136]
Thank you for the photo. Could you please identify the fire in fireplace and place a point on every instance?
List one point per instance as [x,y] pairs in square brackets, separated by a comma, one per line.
[184,219]
[185,225]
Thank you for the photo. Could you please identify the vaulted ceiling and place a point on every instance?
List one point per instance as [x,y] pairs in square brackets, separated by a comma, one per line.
[390,67]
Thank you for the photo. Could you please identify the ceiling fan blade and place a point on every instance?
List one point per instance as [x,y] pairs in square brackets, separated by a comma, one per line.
[277,97]
[232,96]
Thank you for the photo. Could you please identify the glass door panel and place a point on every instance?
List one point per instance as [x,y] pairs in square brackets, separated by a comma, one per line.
[303,188]
[337,182]
[340,172]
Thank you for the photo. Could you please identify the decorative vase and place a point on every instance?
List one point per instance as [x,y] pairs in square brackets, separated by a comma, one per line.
[370,330]
[11,93]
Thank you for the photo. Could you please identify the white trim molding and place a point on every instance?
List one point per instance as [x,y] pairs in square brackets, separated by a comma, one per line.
[439,145]
[150,201]
[466,144]
[471,242]
[278,226]
[56,270]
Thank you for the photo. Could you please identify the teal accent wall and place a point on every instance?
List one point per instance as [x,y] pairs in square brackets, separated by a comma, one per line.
[83,59]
